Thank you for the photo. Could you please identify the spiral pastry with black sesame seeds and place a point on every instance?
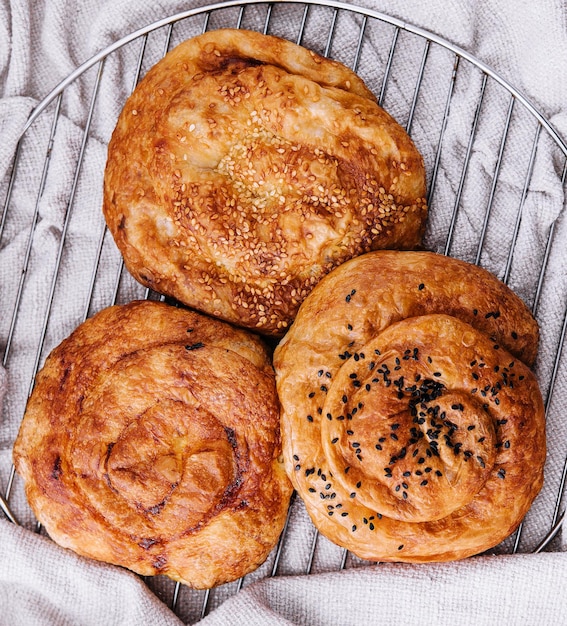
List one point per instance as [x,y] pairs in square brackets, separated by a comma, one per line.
[412,425]
[244,167]
[151,441]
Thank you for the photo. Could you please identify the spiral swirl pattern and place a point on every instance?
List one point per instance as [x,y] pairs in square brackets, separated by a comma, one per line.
[156,447]
[412,437]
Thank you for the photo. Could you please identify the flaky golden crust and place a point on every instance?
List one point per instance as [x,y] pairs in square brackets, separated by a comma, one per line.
[244,168]
[151,441]
[409,428]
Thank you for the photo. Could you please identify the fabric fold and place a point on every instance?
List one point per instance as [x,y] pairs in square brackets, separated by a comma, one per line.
[55,272]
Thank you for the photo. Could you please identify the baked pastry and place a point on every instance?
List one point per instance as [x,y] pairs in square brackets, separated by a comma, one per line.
[411,426]
[151,441]
[244,167]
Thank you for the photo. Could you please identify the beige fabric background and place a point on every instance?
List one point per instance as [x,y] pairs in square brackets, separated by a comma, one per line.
[41,42]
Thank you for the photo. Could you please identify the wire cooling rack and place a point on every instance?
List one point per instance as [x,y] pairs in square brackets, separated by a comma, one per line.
[496,172]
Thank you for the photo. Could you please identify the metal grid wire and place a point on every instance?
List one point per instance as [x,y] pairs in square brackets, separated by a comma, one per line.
[426,83]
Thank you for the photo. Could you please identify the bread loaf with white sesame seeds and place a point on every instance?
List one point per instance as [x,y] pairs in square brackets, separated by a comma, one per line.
[151,441]
[412,425]
[244,168]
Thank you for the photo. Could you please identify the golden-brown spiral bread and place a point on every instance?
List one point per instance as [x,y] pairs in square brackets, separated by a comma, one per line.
[151,440]
[411,427]
[245,167]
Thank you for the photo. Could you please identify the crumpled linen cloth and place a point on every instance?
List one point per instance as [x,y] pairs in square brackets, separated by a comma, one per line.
[40,44]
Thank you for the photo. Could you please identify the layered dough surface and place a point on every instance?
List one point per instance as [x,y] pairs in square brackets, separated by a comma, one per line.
[412,426]
[151,440]
[244,168]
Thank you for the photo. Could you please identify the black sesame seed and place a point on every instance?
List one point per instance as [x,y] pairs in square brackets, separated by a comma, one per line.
[312,394]
[354,528]
[323,388]
[400,547]
[195,346]
[310,418]
[378,446]
[421,286]
[423,483]
[358,484]
[334,440]
[502,473]
[349,326]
